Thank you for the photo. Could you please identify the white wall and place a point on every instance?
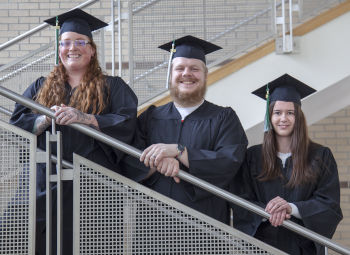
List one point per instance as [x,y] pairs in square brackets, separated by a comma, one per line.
[323,61]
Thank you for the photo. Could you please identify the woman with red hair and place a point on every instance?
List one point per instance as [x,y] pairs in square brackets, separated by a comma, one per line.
[78,92]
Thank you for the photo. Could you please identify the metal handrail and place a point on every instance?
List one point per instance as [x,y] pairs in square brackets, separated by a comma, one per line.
[182,174]
[38,28]
[65,163]
[5,111]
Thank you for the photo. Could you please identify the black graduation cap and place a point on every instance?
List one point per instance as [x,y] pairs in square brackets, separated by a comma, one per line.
[77,21]
[190,47]
[285,88]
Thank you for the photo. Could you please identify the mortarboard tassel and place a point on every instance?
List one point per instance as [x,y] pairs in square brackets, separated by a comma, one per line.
[172,51]
[57,27]
[267,124]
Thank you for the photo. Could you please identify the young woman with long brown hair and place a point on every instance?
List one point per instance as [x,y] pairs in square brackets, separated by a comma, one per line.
[78,92]
[289,175]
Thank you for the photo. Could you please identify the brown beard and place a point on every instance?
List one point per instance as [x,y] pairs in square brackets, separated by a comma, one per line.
[188,99]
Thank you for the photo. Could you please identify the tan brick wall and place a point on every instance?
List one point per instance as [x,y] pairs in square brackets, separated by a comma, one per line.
[19,16]
[334,132]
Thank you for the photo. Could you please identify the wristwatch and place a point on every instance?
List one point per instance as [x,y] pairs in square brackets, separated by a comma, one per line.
[180,149]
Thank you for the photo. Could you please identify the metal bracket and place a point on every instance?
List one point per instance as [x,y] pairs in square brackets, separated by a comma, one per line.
[66,175]
[40,157]
[123,16]
[285,43]
[53,138]
[295,45]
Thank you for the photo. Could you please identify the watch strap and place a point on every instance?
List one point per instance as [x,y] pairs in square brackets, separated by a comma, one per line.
[180,149]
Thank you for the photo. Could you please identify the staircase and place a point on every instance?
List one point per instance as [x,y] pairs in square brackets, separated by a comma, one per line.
[248,60]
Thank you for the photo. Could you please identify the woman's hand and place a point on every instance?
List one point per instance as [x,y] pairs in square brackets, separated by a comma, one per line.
[276,219]
[279,209]
[66,115]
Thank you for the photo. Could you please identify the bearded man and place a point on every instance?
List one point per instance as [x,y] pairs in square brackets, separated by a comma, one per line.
[192,134]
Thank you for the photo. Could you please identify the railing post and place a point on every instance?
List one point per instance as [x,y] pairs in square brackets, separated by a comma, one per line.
[59,193]
[102,49]
[131,51]
[112,37]
[48,196]
[50,138]
[284,43]
[120,57]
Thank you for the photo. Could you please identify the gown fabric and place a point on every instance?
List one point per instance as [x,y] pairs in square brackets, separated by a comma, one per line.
[117,120]
[215,142]
[318,203]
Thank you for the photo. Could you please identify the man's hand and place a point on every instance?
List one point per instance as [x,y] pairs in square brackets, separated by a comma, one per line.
[169,167]
[163,158]
[155,153]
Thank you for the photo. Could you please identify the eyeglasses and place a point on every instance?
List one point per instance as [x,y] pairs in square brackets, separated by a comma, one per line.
[77,43]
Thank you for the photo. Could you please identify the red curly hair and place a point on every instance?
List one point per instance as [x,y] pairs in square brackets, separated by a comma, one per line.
[88,97]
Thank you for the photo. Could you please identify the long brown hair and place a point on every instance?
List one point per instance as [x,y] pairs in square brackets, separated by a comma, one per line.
[300,145]
[88,97]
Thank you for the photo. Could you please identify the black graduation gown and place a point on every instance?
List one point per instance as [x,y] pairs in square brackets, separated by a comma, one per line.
[117,120]
[215,142]
[318,204]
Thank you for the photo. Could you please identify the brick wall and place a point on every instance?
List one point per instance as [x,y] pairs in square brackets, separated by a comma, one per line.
[334,132]
[19,16]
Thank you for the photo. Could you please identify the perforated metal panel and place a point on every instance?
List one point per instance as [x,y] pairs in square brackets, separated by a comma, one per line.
[17,190]
[114,215]
[233,25]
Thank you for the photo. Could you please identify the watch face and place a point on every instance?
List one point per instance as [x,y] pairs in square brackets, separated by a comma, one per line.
[180,148]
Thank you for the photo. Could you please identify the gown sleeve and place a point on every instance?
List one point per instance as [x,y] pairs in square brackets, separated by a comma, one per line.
[219,165]
[131,166]
[22,116]
[243,186]
[324,204]
[120,120]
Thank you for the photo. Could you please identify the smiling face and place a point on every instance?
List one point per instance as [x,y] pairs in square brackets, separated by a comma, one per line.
[188,81]
[75,58]
[283,118]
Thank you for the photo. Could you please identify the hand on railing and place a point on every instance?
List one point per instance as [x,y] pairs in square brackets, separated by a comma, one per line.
[153,154]
[279,209]
[169,167]
[66,115]
[163,158]
[158,151]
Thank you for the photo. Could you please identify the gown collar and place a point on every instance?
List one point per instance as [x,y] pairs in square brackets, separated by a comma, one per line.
[185,111]
[284,157]
[169,111]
